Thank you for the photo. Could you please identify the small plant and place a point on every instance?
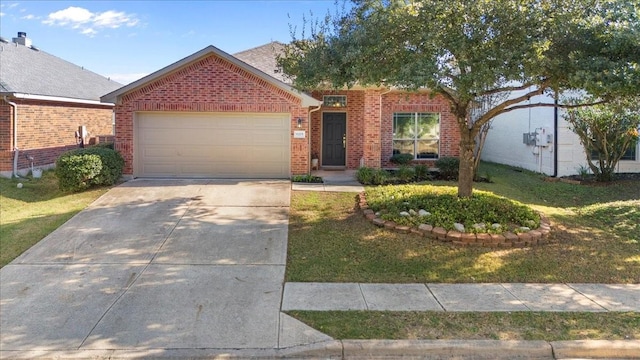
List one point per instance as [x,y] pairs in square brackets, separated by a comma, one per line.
[405,173]
[308,178]
[380,177]
[583,172]
[401,159]
[448,167]
[365,175]
[422,172]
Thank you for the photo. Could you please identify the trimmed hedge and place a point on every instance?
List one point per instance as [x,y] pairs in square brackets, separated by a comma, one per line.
[80,169]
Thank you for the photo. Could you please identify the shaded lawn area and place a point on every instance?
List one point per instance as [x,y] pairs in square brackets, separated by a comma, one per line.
[596,239]
[29,214]
[547,326]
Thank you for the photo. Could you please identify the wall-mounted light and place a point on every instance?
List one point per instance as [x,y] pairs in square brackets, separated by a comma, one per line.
[300,120]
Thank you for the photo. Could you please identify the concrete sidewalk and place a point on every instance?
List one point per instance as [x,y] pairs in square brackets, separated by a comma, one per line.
[333,181]
[462,297]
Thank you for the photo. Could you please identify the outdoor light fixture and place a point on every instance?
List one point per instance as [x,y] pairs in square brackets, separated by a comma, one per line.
[300,122]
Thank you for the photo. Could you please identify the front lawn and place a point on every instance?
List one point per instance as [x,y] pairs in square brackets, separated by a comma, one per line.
[29,214]
[596,239]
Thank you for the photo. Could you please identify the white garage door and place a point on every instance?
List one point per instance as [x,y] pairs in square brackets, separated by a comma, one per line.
[220,145]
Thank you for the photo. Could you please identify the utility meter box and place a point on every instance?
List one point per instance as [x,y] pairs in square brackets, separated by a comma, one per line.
[543,136]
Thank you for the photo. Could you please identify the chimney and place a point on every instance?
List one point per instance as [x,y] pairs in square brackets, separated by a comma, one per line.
[22,39]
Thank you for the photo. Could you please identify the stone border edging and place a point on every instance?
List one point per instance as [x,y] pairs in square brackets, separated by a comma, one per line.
[507,239]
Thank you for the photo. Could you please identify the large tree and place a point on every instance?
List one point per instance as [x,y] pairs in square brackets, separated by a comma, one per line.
[473,52]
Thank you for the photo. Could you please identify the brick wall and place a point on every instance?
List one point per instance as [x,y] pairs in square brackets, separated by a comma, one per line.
[355,125]
[210,84]
[46,129]
[370,124]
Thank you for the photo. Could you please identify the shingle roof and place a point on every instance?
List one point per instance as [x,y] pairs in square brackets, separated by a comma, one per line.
[263,58]
[27,71]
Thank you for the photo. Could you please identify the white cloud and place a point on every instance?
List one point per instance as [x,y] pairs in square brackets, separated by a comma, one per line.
[126,78]
[87,22]
[30,17]
[1,14]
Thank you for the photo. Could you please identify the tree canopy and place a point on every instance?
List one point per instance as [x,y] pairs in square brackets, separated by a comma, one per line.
[473,50]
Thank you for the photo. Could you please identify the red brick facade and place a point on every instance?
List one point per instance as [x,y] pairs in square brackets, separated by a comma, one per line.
[214,84]
[47,129]
[210,84]
[370,124]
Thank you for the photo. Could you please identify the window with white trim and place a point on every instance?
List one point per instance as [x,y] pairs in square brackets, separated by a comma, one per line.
[417,134]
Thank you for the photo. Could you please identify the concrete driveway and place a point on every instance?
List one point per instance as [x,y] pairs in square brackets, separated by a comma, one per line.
[154,267]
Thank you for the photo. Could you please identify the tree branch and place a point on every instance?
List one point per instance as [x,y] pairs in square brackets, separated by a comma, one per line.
[567,106]
[505,89]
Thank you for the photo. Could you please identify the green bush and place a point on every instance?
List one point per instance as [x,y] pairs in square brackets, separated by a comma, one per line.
[365,175]
[422,172]
[380,177]
[401,159]
[76,169]
[448,167]
[405,173]
[76,172]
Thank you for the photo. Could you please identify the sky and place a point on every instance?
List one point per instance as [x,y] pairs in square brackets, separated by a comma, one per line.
[126,40]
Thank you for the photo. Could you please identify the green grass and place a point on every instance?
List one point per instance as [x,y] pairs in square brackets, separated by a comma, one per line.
[548,326]
[596,239]
[29,214]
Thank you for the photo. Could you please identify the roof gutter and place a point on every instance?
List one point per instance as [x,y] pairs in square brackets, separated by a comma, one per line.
[23,96]
[15,135]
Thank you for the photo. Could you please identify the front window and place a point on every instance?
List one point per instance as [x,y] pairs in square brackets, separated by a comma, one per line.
[417,134]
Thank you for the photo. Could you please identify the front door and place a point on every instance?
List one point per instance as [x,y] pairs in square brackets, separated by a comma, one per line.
[334,139]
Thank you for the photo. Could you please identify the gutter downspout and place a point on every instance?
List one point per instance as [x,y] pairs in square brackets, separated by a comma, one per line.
[309,139]
[16,151]
[380,119]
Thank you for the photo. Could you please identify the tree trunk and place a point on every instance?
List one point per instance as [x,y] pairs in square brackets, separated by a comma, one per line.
[467,160]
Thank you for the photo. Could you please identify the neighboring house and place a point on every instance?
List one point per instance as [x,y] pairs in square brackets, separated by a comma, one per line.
[43,102]
[212,114]
[540,140]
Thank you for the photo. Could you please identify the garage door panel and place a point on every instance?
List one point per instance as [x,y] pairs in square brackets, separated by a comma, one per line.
[212,145]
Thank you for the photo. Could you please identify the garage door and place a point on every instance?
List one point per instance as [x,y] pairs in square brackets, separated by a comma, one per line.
[220,145]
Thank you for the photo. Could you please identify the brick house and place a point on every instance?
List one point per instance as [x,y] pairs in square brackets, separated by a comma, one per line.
[43,102]
[213,114]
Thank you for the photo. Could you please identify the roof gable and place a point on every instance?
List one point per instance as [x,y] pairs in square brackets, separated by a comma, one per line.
[26,70]
[117,95]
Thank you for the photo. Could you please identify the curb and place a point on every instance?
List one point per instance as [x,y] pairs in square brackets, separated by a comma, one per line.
[446,349]
[374,349]
[597,349]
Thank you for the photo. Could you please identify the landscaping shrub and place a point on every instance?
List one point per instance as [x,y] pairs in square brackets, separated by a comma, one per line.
[401,159]
[422,172]
[76,169]
[448,167]
[306,178]
[365,175]
[445,208]
[379,177]
[75,172]
[405,173]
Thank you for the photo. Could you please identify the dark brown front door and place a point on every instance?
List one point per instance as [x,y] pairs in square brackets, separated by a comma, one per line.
[334,139]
